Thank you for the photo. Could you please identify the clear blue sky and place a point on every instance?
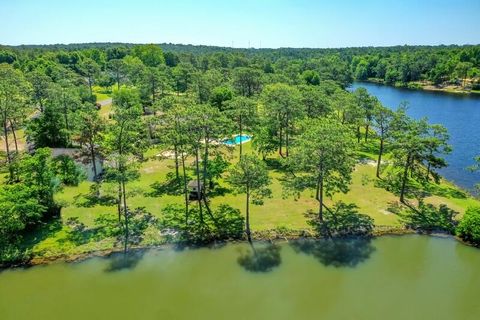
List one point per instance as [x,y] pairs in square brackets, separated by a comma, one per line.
[265,23]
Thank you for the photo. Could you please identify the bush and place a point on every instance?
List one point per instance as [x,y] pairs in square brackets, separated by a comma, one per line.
[68,171]
[469,228]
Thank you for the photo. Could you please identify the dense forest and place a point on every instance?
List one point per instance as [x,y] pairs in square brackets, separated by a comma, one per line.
[115,103]
[400,65]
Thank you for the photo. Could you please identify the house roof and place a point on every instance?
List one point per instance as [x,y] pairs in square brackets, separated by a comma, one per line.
[194,184]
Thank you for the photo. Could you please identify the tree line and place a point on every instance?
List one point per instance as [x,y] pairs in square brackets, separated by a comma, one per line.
[296,110]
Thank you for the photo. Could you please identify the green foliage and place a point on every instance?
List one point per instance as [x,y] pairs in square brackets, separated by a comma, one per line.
[311,77]
[247,81]
[37,173]
[469,227]
[150,54]
[325,164]
[68,171]
[220,96]
[250,176]
[429,218]
[19,210]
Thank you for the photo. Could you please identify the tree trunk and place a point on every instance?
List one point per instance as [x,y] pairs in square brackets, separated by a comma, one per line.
[379,161]
[429,168]
[94,164]
[404,180]
[366,132]
[125,211]
[240,126]
[14,137]
[7,147]
[319,197]
[90,81]
[185,188]
[247,216]
[119,203]
[280,141]
[358,134]
[199,190]
[153,91]
[286,138]
[175,149]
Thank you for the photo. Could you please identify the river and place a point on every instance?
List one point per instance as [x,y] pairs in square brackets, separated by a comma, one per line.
[460,114]
[391,277]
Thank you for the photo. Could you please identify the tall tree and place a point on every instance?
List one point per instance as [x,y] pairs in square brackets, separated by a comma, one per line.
[90,70]
[123,145]
[282,107]
[367,104]
[322,159]
[382,121]
[91,128]
[40,84]
[412,144]
[13,97]
[118,69]
[247,81]
[250,176]
[243,111]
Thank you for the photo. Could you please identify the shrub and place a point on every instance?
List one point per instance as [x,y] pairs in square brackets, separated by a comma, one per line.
[469,228]
[68,171]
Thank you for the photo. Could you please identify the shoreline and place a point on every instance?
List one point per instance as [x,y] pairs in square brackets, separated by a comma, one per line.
[265,235]
[424,87]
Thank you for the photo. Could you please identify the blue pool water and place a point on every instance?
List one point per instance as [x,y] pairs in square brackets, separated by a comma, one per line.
[237,140]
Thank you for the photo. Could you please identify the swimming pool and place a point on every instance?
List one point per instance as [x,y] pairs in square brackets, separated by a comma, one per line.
[238,139]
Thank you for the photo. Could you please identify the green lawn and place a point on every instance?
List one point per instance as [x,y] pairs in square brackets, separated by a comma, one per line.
[277,211]
[101,93]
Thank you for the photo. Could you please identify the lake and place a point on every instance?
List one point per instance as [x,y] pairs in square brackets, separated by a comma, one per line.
[391,277]
[460,114]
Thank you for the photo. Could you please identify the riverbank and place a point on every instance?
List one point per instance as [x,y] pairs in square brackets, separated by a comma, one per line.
[273,235]
[279,218]
[426,86]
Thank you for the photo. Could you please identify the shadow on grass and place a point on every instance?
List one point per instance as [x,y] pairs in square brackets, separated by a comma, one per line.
[275,164]
[94,198]
[219,191]
[417,190]
[172,187]
[41,232]
[445,191]
[337,252]
[428,218]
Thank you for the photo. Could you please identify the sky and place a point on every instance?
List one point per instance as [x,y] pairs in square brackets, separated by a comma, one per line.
[242,23]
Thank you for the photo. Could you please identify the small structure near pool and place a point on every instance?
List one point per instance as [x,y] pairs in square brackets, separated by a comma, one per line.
[194,192]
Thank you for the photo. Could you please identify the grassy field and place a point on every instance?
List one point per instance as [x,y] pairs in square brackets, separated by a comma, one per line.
[101,93]
[277,212]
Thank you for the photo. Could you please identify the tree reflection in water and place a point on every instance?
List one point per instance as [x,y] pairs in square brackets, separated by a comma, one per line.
[263,258]
[124,261]
[336,252]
